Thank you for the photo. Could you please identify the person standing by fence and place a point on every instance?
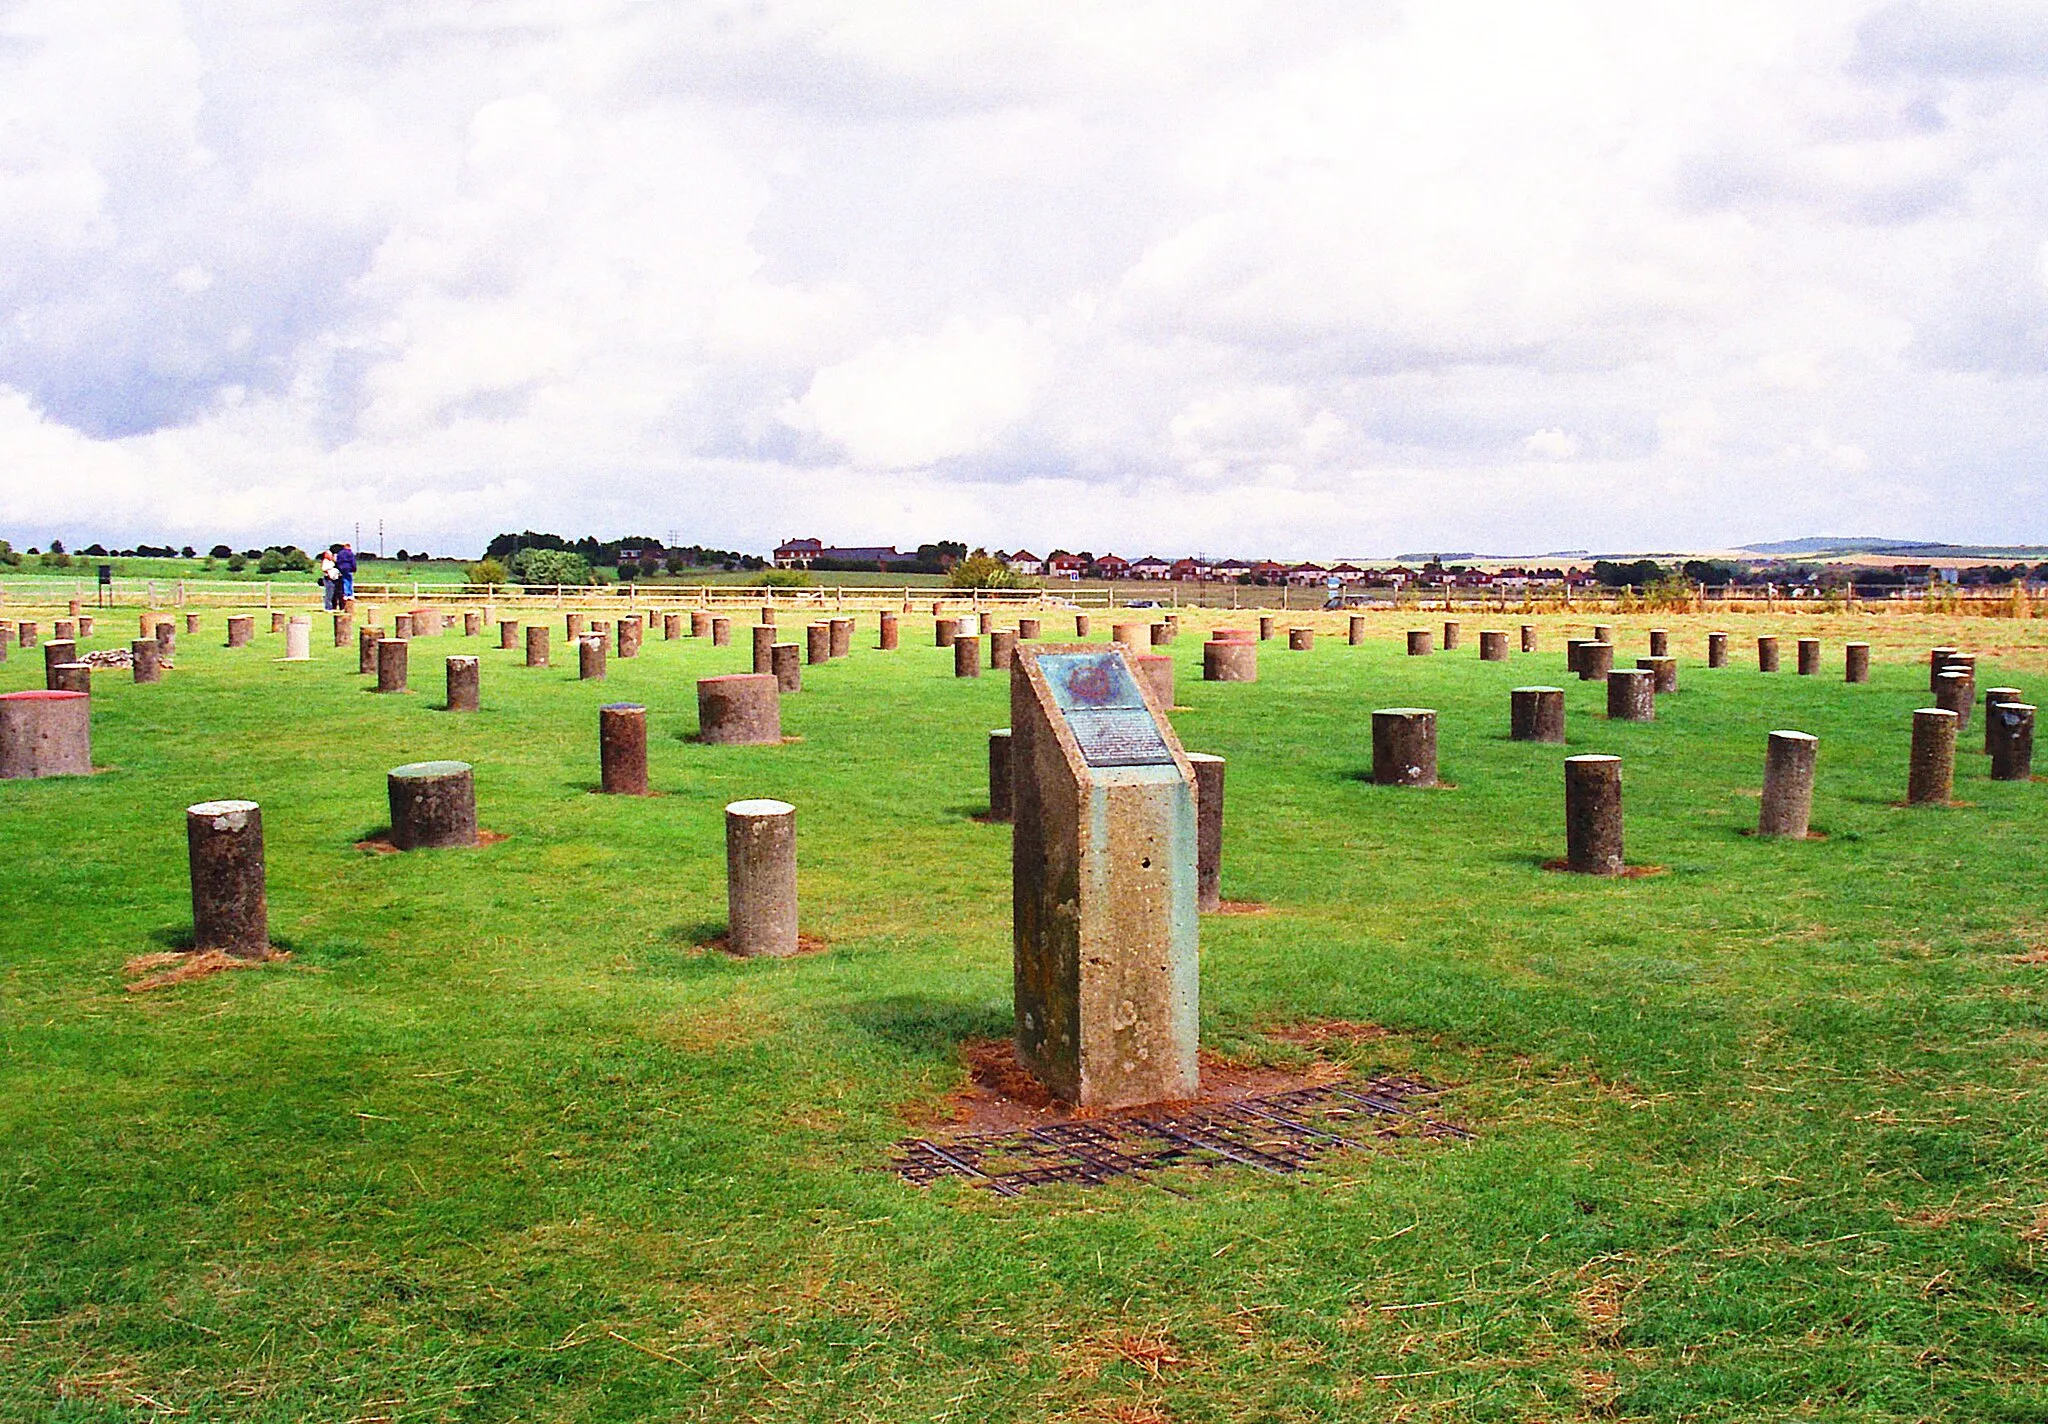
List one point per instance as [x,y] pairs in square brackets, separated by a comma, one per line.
[345,562]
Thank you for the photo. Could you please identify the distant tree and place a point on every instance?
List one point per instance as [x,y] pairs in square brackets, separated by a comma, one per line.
[1709,571]
[94,551]
[784,578]
[188,552]
[544,567]
[55,557]
[486,571]
[56,546]
[220,551]
[1615,575]
[982,569]
[7,555]
[236,563]
[402,556]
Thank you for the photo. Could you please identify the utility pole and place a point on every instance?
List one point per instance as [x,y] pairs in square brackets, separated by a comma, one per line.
[380,538]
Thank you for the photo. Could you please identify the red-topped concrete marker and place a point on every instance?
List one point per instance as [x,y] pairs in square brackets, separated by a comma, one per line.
[45,733]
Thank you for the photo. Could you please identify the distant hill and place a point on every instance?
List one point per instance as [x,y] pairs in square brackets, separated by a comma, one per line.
[1832,544]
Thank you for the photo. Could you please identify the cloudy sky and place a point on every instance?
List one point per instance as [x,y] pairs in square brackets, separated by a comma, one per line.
[1302,279]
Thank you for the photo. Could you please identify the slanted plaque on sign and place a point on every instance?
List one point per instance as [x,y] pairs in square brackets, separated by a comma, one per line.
[1105,710]
[1103,872]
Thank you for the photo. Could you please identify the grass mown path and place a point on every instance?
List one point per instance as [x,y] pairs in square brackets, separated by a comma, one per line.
[1759,1138]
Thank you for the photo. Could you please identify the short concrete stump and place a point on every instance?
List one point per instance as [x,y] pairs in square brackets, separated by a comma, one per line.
[760,878]
[1233,635]
[46,733]
[241,629]
[55,651]
[537,647]
[1208,831]
[298,640]
[391,657]
[944,631]
[1265,627]
[64,630]
[366,650]
[1452,632]
[433,804]
[1766,654]
[1421,642]
[842,637]
[71,677]
[1355,631]
[1000,787]
[767,614]
[741,709]
[671,627]
[1027,629]
[590,663]
[1493,645]
[472,624]
[1931,772]
[508,633]
[1235,661]
[1002,648]
[575,625]
[889,638]
[29,634]
[1809,657]
[967,655]
[818,644]
[465,683]
[630,634]
[277,622]
[1957,692]
[1937,663]
[2011,725]
[700,621]
[1528,637]
[146,659]
[344,630]
[622,748]
[1603,632]
[787,662]
[1082,623]
[1856,662]
[1660,642]
[1571,652]
[1717,650]
[1301,640]
[1663,673]
[1536,714]
[1404,746]
[764,647]
[1592,815]
[1631,695]
[1132,635]
[224,853]
[1789,759]
[1992,697]
[402,626]
[166,641]
[1155,675]
[721,631]
[1596,660]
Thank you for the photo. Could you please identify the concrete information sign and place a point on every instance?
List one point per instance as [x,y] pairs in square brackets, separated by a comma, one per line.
[1104,882]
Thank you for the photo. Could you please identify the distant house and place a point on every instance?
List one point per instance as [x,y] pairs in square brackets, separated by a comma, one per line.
[1151,567]
[1307,575]
[1061,564]
[1189,570]
[797,553]
[634,553]
[1346,573]
[1109,566]
[1266,571]
[1230,569]
[1023,562]
[882,556]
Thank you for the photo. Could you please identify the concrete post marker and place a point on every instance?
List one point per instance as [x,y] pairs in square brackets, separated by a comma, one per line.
[1856,662]
[391,654]
[1788,784]
[622,749]
[1208,831]
[1420,642]
[1767,653]
[1536,714]
[787,661]
[760,878]
[465,683]
[741,709]
[1592,815]
[999,784]
[967,655]
[1493,645]
[45,734]
[1930,775]
[145,657]
[433,804]
[590,666]
[1233,660]
[1596,660]
[2012,741]
[1809,657]
[1717,650]
[1404,746]
[224,851]
[1631,695]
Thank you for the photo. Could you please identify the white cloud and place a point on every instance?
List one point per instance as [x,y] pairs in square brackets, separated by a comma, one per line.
[1317,279]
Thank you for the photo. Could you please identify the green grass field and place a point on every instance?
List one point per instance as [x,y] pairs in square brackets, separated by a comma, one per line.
[1759,1138]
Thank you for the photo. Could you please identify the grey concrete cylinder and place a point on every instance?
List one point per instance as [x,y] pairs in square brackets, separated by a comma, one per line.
[276,621]
[1766,654]
[465,683]
[298,640]
[508,633]
[1357,631]
[30,633]
[1420,643]
[764,647]
[1528,637]
[1592,815]
[575,625]
[1000,786]
[1493,645]
[241,628]
[944,630]
[366,650]
[1208,831]
[391,654]
[1937,663]
[144,656]
[166,641]
[472,624]
[433,803]
[1300,640]
[71,677]
[1660,642]
[787,660]
[1663,673]
[1132,635]
[65,630]
[760,878]
[842,637]
[1451,636]
[590,658]
[1596,660]
[402,625]
[537,646]
[890,636]
[1536,714]
[671,627]
[1931,773]
[224,850]
[344,630]
[1631,695]
[2012,741]
[1002,648]
[1404,746]
[818,644]
[721,631]
[45,733]
[622,749]
[967,655]
[1081,625]
[741,709]
[700,621]
[191,624]
[1155,672]
[1957,692]
[1571,652]
[1717,650]
[767,614]
[1809,657]
[1027,629]
[1788,784]
[1265,627]
[1603,633]
[1856,662]
[55,651]
[1230,662]
[1992,697]
[630,634]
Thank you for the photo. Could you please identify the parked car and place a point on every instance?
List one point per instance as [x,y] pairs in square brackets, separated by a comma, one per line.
[1144,603]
